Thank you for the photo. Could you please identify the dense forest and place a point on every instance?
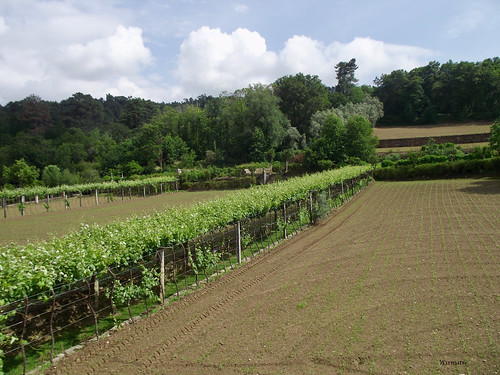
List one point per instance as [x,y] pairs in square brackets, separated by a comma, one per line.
[82,139]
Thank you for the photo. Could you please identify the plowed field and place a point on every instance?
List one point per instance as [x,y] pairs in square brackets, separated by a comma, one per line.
[404,279]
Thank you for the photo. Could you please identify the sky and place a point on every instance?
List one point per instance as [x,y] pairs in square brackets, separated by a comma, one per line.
[170,50]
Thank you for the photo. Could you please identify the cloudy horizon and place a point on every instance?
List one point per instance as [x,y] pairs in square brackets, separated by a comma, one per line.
[170,50]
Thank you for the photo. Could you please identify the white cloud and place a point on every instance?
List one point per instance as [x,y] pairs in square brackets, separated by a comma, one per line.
[56,48]
[240,8]
[211,61]
[3,26]
[121,53]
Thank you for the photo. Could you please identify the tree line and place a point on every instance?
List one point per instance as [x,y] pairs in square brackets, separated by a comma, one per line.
[82,139]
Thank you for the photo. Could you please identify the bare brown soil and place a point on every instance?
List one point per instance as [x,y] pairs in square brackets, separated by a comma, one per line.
[403,279]
[392,132]
[420,141]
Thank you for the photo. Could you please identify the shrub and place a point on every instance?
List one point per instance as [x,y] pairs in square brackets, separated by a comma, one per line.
[440,170]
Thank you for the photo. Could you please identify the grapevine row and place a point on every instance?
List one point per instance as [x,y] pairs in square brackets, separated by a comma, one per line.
[80,188]
[37,267]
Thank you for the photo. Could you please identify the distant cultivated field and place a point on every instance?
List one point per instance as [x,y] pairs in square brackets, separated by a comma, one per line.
[431,130]
[465,147]
[403,279]
[43,226]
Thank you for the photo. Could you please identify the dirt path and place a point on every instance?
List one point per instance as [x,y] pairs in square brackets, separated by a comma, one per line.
[405,278]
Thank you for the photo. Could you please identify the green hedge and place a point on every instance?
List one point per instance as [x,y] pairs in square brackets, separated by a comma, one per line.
[460,168]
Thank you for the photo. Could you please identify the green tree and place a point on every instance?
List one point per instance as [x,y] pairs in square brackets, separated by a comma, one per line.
[359,139]
[82,111]
[345,76]
[132,168]
[495,137]
[51,175]
[300,97]
[330,145]
[402,95]
[258,146]
[21,174]
[173,148]
[370,108]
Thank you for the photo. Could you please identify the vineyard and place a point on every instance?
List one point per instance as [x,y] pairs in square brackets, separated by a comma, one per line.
[403,279]
[19,202]
[100,267]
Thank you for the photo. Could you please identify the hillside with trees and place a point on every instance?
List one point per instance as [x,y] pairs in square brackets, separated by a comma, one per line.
[83,139]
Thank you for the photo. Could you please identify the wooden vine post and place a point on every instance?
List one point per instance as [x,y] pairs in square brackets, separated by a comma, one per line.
[22,205]
[4,205]
[96,197]
[51,325]
[311,206]
[95,281]
[238,241]
[284,221]
[21,338]
[161,255]
[91,308]
[112,291]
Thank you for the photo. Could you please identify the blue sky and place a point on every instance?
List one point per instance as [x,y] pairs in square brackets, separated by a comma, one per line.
[170,50]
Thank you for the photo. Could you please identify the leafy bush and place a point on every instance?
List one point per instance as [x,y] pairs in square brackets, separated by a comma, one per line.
[440,170]
[388,163]
[431,159]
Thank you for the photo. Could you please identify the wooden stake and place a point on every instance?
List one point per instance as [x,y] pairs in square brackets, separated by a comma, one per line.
[161,254]
[284,220]
[238,241]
